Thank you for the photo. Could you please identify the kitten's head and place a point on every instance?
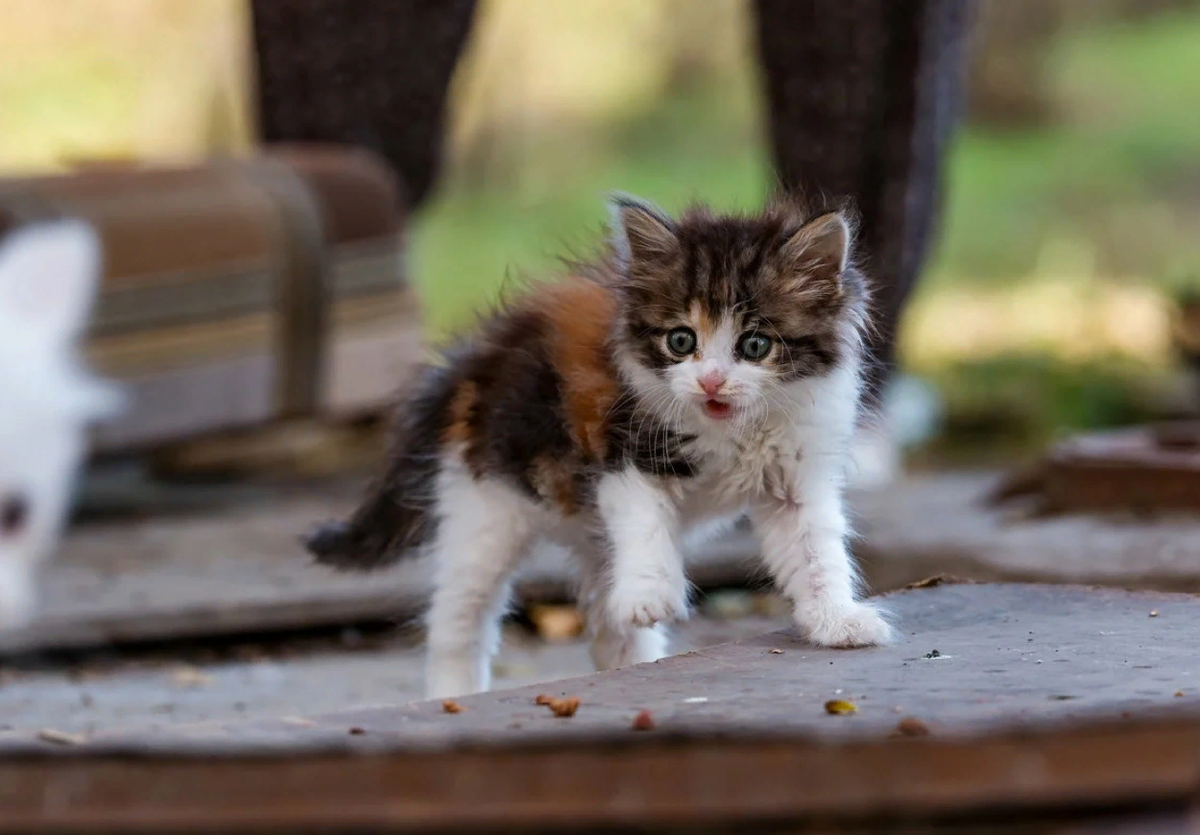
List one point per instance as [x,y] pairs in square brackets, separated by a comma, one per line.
[723,316]
[48,274]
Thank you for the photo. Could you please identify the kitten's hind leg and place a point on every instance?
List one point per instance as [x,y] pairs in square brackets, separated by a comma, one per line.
[482,534]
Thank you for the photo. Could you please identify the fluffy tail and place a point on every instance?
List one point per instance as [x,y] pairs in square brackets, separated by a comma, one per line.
[399,513]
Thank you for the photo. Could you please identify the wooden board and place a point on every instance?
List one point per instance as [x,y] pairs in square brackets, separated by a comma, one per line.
[1040,700]
[222,560]
[1141,470]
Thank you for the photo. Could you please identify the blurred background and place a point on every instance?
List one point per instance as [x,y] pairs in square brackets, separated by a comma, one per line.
[1072,218]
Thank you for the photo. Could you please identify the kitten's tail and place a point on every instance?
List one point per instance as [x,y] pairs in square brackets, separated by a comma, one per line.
[399,513]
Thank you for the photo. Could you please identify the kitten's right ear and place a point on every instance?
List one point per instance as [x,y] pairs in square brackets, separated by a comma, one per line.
[641,231]
[48,275]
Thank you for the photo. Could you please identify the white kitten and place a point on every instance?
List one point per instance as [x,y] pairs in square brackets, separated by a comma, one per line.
[48,276]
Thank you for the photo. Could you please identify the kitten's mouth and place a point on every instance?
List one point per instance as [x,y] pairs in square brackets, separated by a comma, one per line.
[718,409]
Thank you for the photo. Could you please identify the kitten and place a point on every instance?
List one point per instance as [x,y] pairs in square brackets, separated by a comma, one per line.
[708,366]
[48,275]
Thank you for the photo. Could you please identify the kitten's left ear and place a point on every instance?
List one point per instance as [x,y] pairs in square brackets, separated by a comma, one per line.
[48,275]
[821,248]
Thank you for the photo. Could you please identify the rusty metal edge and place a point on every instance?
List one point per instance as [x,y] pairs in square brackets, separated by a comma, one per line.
[647,782]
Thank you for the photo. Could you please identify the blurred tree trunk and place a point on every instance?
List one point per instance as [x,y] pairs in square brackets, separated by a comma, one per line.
[703,39]
[1007,86]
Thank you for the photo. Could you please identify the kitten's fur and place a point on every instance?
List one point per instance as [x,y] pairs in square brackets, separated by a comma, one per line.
[48,274]
[571,416]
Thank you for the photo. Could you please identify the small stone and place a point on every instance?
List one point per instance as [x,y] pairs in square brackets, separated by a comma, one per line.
[357,731]
[1154,613]
[451,706]
[1179,694]
[775,651]
[912,726]
[644,721]
[933,653]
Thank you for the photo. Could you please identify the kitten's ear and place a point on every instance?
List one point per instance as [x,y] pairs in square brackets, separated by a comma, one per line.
[641,231]
[48,275]
[821,248]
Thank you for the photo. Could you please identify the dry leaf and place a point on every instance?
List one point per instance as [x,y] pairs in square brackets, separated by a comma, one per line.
[564,707]
[1179,694]
[775,651]
[190,677]
[298,721]
[451,706]
[557,624]
[644,721]
[59,737]
[840,707]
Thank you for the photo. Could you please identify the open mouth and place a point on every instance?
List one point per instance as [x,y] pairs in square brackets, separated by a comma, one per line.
[717,409]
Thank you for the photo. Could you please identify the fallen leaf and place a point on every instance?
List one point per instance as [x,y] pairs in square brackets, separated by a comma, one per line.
[912,726]
[564,707]
[190,677]
[298,721]
[451,706]
[775,651]
[840,707]
[644,721]
[556,624]
[59,737]
[1179,694]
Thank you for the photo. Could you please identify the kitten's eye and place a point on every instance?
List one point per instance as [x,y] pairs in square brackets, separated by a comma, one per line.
[14,512]
[754,346]
[681,341]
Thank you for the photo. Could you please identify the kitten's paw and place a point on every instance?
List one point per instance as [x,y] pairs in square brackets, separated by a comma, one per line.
[646,606]
[857,624]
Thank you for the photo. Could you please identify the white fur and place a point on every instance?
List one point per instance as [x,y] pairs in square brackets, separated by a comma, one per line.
[48,274]
[782,457]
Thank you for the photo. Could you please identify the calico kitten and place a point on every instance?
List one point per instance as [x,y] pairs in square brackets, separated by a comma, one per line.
[709,366]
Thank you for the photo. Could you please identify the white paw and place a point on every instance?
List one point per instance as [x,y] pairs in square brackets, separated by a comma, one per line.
[854,625]
[646,605]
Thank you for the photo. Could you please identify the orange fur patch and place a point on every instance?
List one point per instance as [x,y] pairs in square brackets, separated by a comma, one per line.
[581,316]
[458,424]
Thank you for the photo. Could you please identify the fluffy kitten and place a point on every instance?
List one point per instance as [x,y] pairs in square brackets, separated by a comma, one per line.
[48,275]
[709,366]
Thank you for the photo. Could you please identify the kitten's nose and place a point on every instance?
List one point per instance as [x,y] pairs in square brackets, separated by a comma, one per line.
[711,382]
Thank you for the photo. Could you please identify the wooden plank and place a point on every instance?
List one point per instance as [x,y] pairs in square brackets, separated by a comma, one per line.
[1095,725]
[232,561]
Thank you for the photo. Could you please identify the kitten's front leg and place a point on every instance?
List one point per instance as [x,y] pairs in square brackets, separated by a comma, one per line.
[647,584]
[803,540]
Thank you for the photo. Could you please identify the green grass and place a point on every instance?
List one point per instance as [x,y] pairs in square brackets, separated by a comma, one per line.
[1105,188]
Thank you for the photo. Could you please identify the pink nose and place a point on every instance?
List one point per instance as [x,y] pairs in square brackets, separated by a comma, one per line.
[711,382]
